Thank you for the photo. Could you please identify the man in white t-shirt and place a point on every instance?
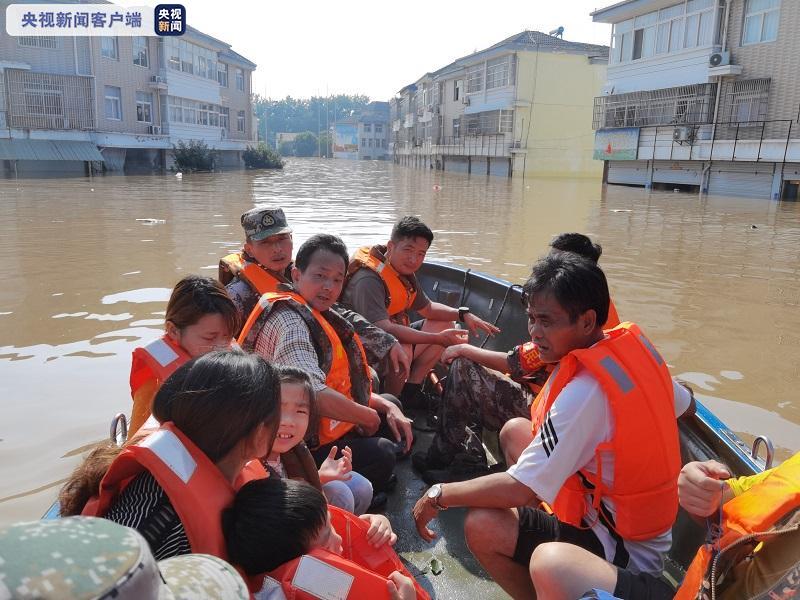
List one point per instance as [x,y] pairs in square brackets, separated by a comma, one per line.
[529,551]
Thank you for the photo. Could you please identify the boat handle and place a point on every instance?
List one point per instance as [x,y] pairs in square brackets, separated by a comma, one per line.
[119,429]
[762,439]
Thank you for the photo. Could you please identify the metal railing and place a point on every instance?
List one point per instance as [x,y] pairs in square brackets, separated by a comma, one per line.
[466,145]
[686,104]
[728,140]
[49,101]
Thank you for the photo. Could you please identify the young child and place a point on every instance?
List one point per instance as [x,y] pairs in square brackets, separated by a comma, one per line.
[342,486]
[293,518]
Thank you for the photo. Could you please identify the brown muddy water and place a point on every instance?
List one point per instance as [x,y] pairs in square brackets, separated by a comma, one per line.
[84,280]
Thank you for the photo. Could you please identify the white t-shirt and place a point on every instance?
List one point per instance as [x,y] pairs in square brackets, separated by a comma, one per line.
[578,421]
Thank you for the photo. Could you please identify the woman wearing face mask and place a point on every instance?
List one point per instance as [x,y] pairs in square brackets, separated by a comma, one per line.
[200,317]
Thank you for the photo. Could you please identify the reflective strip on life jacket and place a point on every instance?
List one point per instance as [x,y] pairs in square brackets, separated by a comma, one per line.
[644,447]
[194,485]
[338,375]
[360,572]
[399,296]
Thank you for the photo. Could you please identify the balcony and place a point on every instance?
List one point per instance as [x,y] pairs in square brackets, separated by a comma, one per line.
[49,101]
[158,82]
[493,145]
[682,105]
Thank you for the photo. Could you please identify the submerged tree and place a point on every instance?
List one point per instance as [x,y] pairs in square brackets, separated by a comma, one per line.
[262,157]
[194,156]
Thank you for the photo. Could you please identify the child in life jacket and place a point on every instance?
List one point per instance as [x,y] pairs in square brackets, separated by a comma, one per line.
[342,486]
[273,522]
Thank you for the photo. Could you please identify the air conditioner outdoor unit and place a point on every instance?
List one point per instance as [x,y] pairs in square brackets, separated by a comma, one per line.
[465,100]
[719,59]
[155,129]
[157,79]
[682,134]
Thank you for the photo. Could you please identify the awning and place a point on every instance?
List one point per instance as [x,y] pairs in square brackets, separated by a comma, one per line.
[24,149]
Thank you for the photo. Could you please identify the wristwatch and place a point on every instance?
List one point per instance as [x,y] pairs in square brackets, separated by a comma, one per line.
[462,312]
[434,494]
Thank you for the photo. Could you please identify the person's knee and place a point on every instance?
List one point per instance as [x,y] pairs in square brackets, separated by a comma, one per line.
[480,527]
[384,458]
[339,495]
[362,492]
[547,568]
[515,436]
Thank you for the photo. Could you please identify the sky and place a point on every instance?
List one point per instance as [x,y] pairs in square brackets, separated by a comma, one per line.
[313,47]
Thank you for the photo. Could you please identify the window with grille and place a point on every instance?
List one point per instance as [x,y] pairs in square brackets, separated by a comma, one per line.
[240,121]
[222,74]
[240,80]
[747,101]
[38,41]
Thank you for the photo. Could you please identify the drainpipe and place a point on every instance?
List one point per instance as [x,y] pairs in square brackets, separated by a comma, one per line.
[726,19]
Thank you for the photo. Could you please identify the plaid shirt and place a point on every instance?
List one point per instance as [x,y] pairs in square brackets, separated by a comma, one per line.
[285,340]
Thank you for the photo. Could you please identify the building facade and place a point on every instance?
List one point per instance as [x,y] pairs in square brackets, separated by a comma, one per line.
[373,132]
[119,102]
[702,95]
[522,106]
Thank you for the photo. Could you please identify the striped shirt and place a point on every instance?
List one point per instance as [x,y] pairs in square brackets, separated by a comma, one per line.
[143,505]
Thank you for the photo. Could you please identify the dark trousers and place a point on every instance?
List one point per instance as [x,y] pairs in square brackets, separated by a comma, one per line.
[374,457]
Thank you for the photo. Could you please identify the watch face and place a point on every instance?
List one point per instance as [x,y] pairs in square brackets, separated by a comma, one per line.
[434,492]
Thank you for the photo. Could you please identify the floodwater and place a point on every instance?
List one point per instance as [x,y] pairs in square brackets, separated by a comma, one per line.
[87,266]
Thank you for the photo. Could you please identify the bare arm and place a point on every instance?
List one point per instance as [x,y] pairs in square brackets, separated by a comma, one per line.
[334,405]
[407,335]
[488,358]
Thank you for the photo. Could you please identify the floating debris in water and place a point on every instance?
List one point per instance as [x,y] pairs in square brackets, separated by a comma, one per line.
[179,175]
[150,221]
[753,226]
[437,187]
[621,210]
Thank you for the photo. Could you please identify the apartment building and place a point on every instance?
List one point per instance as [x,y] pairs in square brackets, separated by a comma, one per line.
[119,103]
[702,95]
[521,106]
[373,132]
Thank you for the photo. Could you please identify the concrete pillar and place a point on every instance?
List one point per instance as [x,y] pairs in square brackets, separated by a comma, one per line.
[777,183]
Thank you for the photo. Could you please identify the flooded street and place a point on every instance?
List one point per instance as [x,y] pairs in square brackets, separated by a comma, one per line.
[87,266]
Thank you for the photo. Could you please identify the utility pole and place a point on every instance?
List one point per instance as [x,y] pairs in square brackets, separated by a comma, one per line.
[327,123]
[319,141]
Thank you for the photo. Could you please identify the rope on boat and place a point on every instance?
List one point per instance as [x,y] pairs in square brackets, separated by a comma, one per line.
[463,296]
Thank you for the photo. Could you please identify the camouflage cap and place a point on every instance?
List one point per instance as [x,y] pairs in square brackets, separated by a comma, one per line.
[86,557]
[261,222]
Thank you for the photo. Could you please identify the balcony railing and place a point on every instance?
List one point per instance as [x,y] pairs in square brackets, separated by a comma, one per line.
[468,145]
[683,105]
[49,101]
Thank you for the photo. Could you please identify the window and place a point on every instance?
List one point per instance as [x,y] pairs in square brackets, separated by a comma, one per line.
[378,128]
[144,107]
[42,102]
[202,114]
[748,101]
[189,111]
[457,85]
[175,110]
[367,128]
[760,21]
[475,79]
[222,74]
[173,51]
[240,80]
[369,142]
[140,54]
[109,47]
[240,121]
[37,41]
[644,35]
[224,117]
[364,142]
[113,102]
[506,121]
[497,72]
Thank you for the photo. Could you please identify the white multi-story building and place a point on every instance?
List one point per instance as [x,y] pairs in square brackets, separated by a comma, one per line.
[120,101]
[702,95]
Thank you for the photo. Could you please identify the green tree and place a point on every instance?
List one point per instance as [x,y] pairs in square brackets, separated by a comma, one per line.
[194,156]
[306,144]
[261,157]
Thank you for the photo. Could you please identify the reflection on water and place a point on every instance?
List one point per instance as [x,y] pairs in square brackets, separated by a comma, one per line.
[88,266]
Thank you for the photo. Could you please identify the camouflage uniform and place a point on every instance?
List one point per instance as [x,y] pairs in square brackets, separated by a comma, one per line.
[84,557]
[477,398]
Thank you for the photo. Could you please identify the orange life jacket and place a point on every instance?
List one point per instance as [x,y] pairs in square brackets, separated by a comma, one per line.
[746,521]
[400,294]
[257,277]
[152,365]
[360,572]
[194,485]
[339,375]
[644,446]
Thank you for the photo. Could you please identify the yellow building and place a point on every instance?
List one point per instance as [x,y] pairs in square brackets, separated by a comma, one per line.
[523,105]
